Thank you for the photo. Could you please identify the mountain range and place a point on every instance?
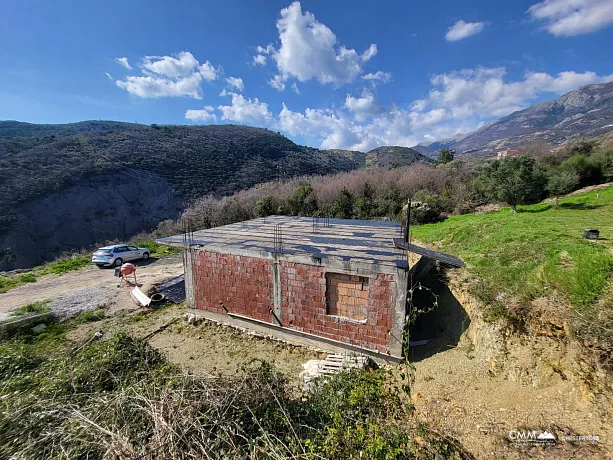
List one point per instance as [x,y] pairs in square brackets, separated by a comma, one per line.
[585,112]
[74,185]
[71,186]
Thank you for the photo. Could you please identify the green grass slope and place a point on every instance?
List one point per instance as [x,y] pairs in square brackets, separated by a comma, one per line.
[539,251]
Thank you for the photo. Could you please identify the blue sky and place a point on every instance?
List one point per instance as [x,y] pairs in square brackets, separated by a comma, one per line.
[336,74]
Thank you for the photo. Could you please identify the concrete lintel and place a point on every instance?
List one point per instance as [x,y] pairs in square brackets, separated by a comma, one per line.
[353,266]
[292,336]
[12,326]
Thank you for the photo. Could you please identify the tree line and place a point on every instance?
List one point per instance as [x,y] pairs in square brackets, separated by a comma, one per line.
[452,186]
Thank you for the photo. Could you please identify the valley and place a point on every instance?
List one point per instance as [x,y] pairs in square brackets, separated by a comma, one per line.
[518,339]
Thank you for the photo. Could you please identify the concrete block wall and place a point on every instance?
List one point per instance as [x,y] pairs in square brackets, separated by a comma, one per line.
[249,287]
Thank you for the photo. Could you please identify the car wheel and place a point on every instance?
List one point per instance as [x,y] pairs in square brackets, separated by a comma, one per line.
[145,256]
[118,262]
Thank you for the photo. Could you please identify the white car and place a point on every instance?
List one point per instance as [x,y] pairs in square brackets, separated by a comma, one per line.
[118,254]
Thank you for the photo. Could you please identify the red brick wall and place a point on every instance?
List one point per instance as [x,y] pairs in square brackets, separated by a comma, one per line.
[242,284]
[303,297]
[245,286]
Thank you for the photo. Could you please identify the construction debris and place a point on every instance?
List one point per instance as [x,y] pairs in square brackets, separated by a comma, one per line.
[173,289]
[39,327]
[97,336]
[161,328]
[332,364]
[140,298]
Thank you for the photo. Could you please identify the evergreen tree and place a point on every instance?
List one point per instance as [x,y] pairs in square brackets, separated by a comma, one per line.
[343,205]
[445,156]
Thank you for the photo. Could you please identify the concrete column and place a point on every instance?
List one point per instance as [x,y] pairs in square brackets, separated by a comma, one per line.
[276,288]
[188,258]
[399,312]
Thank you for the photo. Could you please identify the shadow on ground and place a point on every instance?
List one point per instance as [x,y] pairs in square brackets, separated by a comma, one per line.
[444,319]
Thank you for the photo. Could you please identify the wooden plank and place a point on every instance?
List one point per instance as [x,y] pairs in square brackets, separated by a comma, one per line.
[440,256]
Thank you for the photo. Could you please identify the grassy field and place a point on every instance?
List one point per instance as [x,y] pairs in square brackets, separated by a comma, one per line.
[59,266]
[157,249]
[536,252]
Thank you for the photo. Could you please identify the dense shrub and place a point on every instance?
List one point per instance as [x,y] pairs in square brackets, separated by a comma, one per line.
[119,398]
[265,206]
[513,180]
[343,205]
[457,187]
[585,168]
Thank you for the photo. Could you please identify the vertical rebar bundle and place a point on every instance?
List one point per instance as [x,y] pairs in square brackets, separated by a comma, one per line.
[278,239]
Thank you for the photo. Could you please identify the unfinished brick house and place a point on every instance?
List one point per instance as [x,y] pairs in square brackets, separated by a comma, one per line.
[331,283]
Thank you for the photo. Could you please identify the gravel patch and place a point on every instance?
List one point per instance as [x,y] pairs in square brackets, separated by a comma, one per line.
[76,302]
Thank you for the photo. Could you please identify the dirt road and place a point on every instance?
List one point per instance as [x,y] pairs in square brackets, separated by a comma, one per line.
[87,288]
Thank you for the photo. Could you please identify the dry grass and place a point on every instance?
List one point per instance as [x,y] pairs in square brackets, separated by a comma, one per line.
[118,398]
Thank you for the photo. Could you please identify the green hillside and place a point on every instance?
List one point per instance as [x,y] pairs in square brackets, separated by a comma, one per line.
[57,180]
[538,252]
[195,159]
[18,129]
[395,157]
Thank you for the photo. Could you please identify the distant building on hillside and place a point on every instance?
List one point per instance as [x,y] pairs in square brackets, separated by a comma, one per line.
[507,153]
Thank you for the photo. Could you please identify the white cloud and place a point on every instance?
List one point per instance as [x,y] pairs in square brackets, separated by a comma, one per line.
[458,102]
[361,106]
[277,82]
[269,49]
[564,18]
[484,92]
[149,87]
[295,88]
[419,105]
[310,51]
[379,76]
[236,82]
[207,71]
[335,129]
[109,76]
[248,111]
[462,29]
[260,59]
[206,114]
[123,61]
[169,76]
[369,53]
[180,65]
